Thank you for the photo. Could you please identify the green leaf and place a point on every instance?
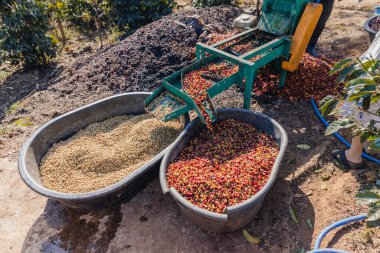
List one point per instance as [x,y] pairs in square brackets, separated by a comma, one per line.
[345,72]
[367,197]
[355,82]
[375,145]
[328,104]
[293,214]
[373,218]
[356,74]
[364,137]
[359,95]
[340,65]
[337,125]
[250,238]
[303,146]
[368,65]
[366,103]
[310,223]
[375,98]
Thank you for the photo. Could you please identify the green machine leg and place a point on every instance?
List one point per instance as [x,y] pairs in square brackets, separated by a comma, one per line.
[250,77]
[240,78]
[197,52]
[281,82]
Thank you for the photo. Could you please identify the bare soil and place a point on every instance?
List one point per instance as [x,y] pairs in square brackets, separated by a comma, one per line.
[152,222]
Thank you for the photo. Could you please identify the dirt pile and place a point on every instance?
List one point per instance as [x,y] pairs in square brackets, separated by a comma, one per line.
[153,52]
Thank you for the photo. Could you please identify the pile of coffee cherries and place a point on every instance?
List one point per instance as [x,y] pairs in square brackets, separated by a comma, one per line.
[223,167]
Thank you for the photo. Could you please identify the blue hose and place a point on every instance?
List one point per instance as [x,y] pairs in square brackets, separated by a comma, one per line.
[338,136]
[327,250]
[331,227]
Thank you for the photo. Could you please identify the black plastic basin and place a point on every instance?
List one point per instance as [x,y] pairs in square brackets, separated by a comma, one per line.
[239,215]
[66,125]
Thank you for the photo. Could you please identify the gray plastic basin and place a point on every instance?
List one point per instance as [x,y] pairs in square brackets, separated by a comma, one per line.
[69,123]
[239,215]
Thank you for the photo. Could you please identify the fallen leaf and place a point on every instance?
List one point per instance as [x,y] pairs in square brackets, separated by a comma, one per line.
[292,160]
[303,146]
[319,171]
[293,214]
[310,223]
[250,238]
[326,176]
[300,250]
[324,186]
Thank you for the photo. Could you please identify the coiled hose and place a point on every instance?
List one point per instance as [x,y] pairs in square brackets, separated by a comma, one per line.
[331,227]
[338,136]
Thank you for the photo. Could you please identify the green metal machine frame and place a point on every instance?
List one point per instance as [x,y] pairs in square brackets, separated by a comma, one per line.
[287,12]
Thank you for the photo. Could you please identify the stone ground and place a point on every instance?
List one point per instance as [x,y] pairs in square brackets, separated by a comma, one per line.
[151,222]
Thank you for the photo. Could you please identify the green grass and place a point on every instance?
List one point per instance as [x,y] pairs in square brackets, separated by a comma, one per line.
[13,107]
[3,130]
[23,122]
[340,27]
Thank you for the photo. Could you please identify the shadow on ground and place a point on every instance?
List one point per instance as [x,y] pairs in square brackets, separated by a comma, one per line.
[21,83]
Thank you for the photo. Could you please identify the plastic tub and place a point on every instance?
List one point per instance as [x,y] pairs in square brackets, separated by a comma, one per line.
[372,33]
[239,215]
[66,125]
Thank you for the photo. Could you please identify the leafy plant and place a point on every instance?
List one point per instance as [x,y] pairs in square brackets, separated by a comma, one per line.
[130,15]
[78,14]
[23,33]
[370,196]
[205,3]
[362,89]
[56,9]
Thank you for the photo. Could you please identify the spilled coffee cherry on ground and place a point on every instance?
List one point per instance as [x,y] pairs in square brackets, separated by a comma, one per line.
[374,24]
[224,167]
[310,79]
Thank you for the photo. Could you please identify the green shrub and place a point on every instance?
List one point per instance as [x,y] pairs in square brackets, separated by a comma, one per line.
[205,3]
[127,16]
[23,29]
[80,14]
[130,15]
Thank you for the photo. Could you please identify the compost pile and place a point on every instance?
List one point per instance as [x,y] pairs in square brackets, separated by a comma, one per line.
[223,167]
[105,152]
[310,79]
[139,62]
